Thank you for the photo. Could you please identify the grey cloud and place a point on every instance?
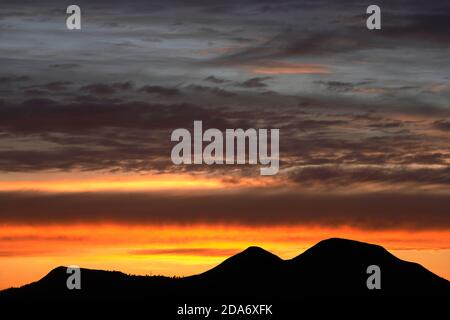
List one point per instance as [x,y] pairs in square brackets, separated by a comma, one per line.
[211,90]
[257,82]
[215,79]
[366,211]
[159,90]
[106,89]
[11,79]
[51,86]
[344,176]
[65,66]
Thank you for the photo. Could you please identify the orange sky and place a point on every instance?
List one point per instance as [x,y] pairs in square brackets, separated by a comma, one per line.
[29,252]
[89,182]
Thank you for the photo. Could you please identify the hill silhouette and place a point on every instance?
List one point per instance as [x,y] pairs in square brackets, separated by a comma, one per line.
[333,268]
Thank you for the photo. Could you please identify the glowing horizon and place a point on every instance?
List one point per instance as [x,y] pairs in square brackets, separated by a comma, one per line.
[185,250]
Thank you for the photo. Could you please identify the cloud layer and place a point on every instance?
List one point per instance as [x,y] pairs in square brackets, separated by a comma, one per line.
[357,110]
[366,211]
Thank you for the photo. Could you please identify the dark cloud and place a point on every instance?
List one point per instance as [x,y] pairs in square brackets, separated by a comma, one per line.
[106,89]
[65,66]
[52,86]
[257,82]
[128,85]
[367,211]
[130,157]
[98,89]
[442,125]
[211,90]
[215,79]
[12,79]
[35,92]
[319,147]
[44,115]
[94,133]
[289,44]
[427,26]
[387,125]
[342,86]
[391,176]
[311,124]
[343,34]
[161,91]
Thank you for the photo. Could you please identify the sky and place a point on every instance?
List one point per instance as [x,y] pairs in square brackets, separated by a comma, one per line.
[86,116]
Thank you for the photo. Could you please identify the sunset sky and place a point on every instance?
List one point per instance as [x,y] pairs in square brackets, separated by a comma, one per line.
[86,116]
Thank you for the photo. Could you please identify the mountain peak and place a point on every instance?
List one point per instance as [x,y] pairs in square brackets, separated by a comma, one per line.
[251,260]
[338,248]
[56,273]
[255,250]
[345,242]
[256,254]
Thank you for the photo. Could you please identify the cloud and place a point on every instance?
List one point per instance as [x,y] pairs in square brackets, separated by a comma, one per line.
[65,66]
[52,86]
[431,27]
[215,79]
[257,82]
[11,79]
[211,90]
[93,133]
[250,208]
[161,91]
[45,115]
[106,89]
[342,86]
[346,176]
[35,92]
[290,68]
[442,125]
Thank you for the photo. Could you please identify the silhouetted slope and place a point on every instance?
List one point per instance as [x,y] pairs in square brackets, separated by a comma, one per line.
[338,267]
[95,284]
[333,268]
[254,272]
[250,261]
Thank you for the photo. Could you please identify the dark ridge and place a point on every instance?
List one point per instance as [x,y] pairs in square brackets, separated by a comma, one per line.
[332,269]
[338,248]
[251,260]
[340,264]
